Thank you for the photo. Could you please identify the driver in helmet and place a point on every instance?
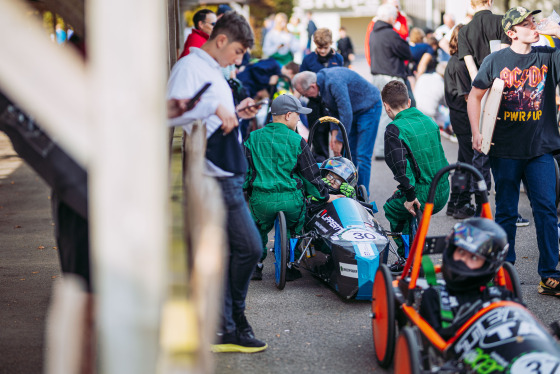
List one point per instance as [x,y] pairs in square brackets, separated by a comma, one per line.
[340,175]
[476,249]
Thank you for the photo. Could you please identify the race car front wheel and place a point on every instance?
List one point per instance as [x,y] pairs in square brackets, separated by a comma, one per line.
[383,316]
[408,353]
[281,250]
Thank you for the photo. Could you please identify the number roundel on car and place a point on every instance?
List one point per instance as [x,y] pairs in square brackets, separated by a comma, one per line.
[358,235]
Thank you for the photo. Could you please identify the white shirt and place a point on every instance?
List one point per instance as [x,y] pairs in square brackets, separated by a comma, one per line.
[188,76]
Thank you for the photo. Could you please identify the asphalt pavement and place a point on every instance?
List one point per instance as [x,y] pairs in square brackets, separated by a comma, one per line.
[308,328]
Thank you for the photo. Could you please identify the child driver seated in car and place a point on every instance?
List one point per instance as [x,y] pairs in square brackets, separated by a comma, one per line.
[475,251]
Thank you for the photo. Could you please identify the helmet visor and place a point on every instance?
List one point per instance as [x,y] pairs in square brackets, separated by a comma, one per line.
[473,239]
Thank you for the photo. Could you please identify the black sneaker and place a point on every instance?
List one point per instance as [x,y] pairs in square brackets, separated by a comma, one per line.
[521,222]
[398,266]
[242,324]
[237,341]
[549,286]
[257,273]
[292,274]
[466,211]
[450,209]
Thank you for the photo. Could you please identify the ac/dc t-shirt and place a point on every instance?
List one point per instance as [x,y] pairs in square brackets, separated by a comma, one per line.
[526,126]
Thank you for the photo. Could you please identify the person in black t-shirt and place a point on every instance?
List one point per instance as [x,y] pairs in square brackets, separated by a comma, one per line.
[526,134]
[457,83]
[474,42]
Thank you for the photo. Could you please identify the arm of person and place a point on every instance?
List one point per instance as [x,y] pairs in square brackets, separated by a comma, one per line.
[395,157]
[473,109]
[423,64]
[444,45]
[311,176]
[184,83]
[341,96]
[471,66]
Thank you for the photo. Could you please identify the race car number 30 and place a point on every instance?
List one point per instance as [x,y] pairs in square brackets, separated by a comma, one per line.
[358,236]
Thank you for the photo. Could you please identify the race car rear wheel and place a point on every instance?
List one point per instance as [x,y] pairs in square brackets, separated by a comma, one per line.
[383,316]
[512,280]
[408,353]
[281,250]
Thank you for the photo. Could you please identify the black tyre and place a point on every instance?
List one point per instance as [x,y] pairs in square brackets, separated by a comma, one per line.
[383,316]
[281,250]
[408,352]
[362,194]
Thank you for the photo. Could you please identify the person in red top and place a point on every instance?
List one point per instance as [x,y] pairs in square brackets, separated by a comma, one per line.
[400,26]
[204,21]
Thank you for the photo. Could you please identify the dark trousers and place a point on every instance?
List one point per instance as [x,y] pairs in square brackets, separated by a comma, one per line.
[72,239]
[244,249]
[540,178]
[465,154]
[320,145]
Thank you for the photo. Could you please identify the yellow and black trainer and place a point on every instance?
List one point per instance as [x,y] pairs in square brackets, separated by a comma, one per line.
[550,286]
[238,341]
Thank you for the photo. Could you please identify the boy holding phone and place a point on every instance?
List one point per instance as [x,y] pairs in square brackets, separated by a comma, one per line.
[230,39]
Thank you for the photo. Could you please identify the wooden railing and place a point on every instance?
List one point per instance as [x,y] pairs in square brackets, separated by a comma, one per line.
[197,264]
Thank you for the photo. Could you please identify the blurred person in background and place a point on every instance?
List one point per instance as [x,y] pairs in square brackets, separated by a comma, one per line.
[345,47]
[204,21]
[279,43]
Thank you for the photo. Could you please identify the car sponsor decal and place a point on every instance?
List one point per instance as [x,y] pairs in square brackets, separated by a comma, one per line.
[536,362]
[364,249]
[499,327]
[358,235]
[331,222]
[348,270]
[484,363]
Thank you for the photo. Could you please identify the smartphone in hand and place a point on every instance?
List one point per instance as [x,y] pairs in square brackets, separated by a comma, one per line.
[197,96]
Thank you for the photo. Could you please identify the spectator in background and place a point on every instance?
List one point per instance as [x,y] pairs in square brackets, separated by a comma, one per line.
[400,25]
[345,47]
[473,46]
[311,28]
[356,102]
[441,31]
[204,21]
[268,24]
[323,57]
[388,63]
[279,43]
[457,85]
[298,31]
[430,97]
[222,9]
[422,55]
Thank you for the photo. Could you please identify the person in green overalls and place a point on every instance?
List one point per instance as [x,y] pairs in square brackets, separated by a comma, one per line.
[414,153]
[282,173]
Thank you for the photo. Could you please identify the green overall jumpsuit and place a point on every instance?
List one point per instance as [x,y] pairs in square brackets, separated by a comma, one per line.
[414,153]
[282,172]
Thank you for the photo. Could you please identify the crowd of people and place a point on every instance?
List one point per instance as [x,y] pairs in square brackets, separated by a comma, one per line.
[425,84]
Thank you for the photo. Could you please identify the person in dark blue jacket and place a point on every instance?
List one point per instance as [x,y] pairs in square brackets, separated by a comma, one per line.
[324,56]
[356,102]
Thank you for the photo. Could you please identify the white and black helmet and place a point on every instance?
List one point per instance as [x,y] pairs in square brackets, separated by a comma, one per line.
[481,237]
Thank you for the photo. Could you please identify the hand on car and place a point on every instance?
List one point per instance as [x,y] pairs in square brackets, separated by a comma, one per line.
[409,205]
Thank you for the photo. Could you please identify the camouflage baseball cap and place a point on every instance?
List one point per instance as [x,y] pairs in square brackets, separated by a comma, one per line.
[515,16]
